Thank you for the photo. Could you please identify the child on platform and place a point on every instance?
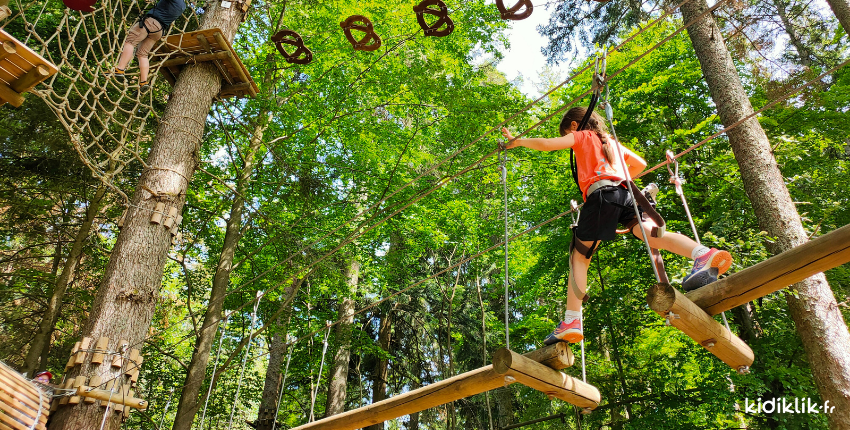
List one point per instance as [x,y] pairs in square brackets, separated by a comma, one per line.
[603,187]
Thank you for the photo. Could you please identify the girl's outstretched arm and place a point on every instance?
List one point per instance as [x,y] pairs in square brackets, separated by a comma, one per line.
[540,144]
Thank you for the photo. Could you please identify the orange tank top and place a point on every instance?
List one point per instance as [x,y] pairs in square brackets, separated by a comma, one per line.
[591,162]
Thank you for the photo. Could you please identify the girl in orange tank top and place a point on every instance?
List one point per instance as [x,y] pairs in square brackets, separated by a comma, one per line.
[606,205]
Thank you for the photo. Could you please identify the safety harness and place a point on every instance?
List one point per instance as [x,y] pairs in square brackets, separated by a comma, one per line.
[605,185]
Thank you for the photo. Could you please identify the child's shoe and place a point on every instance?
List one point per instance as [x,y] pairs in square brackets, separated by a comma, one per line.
[707,268]
[566,332]
[144,87]
[119,75]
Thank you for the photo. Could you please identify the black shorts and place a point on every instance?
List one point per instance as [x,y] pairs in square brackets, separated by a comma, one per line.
[598,220]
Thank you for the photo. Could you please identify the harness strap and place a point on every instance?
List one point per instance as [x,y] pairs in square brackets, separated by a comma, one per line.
[661,225]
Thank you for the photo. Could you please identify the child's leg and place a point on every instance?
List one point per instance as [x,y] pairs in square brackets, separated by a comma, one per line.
[674,242]
[578,278]
[135,35]
[126,56]
[145,46]
[708,263]
[570,329]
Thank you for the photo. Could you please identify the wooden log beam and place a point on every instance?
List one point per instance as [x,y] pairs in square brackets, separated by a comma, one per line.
[439,393]
[700,326]
[7,49]
[11,96]
[31,79]
[194,59]
[234,63]
[549,381]
[826,252]
[109,396]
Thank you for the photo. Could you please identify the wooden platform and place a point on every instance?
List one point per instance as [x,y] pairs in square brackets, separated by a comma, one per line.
[202,46]
[551,358]
[823,253]
[21,69]
[22,403]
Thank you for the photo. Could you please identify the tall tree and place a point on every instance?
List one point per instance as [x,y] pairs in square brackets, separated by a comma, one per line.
[841,9]
[127,297]
[338,375]
[271,388]
[812,305]
[381,370]
[189,401]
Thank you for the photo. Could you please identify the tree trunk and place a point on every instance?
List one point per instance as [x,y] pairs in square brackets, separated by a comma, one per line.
[40,344]
[190,401]
[381,371]
[803,52]
[268,403]
[126,300]
[813,309]
[338,384]
[841,9]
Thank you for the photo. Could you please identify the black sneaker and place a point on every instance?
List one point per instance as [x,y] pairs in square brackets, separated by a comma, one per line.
[144,87]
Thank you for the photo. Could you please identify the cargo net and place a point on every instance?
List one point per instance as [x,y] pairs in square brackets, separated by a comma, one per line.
[110,123]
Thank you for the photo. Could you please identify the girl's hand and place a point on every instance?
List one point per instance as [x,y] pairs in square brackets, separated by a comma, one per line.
[507,135]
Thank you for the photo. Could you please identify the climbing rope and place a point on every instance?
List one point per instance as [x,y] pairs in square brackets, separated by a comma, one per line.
[244,360]
[319,377]
[677,181]
[609,115]
[504,173]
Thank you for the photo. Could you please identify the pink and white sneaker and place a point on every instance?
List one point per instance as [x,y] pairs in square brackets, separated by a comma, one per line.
[707,268]
[566,332]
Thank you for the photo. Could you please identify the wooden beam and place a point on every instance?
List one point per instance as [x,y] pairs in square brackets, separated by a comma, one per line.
[194,59]
[117,398]
[826,252]
[7,49]
[439,393]
[234,62]
[699,326]
[31,79]
[11,96]
[549,381]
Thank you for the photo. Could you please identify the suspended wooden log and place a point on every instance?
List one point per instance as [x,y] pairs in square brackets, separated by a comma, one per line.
[549,381]
[439,393]
[826,252]
[699,326]
[108,396]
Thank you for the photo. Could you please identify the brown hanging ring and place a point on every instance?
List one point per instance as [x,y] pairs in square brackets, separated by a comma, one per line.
[302,54]
[370,40]
[511,13]
[442,14]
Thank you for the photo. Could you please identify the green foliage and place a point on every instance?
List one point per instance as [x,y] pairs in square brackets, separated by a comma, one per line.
[357,132]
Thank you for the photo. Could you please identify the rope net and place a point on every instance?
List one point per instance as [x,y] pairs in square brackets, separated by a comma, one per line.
[110,123]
